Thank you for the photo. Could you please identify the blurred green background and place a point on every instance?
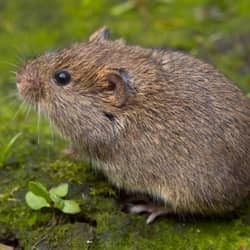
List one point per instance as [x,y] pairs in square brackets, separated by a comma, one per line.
[217,31]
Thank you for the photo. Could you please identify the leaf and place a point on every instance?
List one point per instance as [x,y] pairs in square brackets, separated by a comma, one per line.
[61,190]
[71,207]
[35,202]
[58,202]
[7,148]
[39,189]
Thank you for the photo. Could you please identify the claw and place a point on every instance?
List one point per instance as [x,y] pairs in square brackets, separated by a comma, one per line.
[154,211]
[151,218]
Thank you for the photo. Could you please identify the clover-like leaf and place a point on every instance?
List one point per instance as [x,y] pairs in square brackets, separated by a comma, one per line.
[35,202]
[39,197]
[71,207]
[39,189]
[58,201]
[61,190]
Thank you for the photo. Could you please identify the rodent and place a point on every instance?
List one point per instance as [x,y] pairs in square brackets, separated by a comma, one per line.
[155,122]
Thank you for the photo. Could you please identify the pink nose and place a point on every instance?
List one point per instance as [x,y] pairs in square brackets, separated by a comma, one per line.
[25,78]
[28,84]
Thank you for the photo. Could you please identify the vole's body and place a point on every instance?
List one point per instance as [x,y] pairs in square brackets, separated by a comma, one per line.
[160,123]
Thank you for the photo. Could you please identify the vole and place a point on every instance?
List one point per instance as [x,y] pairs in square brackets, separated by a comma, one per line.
[156,122]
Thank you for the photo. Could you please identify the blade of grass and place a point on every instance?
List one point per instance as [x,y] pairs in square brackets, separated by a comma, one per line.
[7,148]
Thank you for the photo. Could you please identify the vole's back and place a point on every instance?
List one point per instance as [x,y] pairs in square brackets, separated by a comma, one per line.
[215,127]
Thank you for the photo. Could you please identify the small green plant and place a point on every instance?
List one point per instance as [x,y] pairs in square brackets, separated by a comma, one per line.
[5,150]
[38,197]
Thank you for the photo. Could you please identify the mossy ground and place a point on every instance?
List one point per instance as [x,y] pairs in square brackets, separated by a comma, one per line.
[217,31]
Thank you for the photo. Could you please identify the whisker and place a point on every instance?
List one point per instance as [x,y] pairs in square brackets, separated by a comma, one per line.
[10,99]
[18,111]
[27,112]
[52,134]
[20,58]
[13,72]
[52,137]
[38,122]
[12,94]
[19,55]
[12,102]
[10,64]
[13,79]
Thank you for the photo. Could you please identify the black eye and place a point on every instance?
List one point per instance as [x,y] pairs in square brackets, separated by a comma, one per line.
[62,77]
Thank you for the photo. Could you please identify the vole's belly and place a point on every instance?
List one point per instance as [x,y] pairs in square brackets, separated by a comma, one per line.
[121,177]
[201,198]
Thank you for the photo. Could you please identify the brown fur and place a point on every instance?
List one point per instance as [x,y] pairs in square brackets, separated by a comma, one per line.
[160,123]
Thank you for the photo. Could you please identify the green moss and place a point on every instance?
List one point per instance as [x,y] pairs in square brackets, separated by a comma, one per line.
[130,232]
[68,170]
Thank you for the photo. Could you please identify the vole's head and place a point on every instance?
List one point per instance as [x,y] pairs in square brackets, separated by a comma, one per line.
[83,69]
[83,89]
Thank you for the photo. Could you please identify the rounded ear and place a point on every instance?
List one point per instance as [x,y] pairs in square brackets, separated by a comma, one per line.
[119,82]
[100,35]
